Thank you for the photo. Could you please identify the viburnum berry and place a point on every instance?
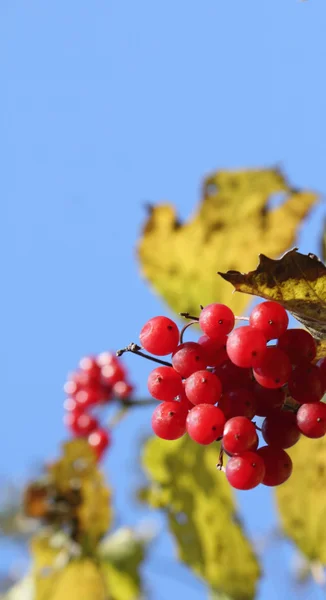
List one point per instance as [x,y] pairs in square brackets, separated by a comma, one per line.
[205,423]
[270,318]
[188,358]
[122,390]
[298,344]
[238,402]
[112,373]
[322,367]
[278,465]
[311,419]
[169,420]
[203,387]
[280,429]
[89,396]
[99,440]
[267,399]
[216,320]
[215,350]
[245,471]
[81,424]
[160,336]
[274,369]
[232,376]
[306,383]
[164,383]
[90,366]
[75,382]
[239,435]
[246,346]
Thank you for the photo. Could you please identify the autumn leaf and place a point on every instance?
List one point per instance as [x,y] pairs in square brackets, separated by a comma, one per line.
[233,223]
[297,281]
[199,504]
[301,500]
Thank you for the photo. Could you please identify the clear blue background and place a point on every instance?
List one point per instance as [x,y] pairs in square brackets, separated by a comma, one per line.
[105,106]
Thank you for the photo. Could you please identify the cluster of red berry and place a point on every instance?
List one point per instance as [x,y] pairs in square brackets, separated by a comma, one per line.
[98,381]
[214,387]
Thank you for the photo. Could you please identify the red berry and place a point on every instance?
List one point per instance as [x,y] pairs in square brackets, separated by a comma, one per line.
[75,382]
[239,435]
[298,344]
[311,419]
[80,424]
[164,383]
[274,369]
[270,318]
[90,366]
[246,471]
[159,336]
[112,373]
[233,377]
[278,465]
[169,420]
[238,402]
[305,383]
[246,347]
[280,429]
[215,350]
[267,399]
[203,387]
[188,358]
[122,390]
[205,423]
[99,440]
[216,320]
[106,358]
[322,366]
[89,396]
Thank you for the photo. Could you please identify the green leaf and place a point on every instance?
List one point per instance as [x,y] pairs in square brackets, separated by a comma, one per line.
[199,504]
[301,500]
[232,224]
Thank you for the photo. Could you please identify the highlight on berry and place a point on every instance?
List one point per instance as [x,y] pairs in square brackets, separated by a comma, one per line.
[214,388]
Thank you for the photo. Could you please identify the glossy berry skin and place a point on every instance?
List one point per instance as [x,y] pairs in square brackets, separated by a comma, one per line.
[274,369]
[280,429]
[169,420]
[164,383]
[205,423]
[246,347]
[203,387]
[215,350]
[99,440]
[90,366]
[238,402]
[232,376]
[270,318]
[216,320]
[245,471]
[306,383]
[298,344]
[311,419]
[267,400]
[80,424]
[188,358]
[160,336]
[278,465]
[239,435]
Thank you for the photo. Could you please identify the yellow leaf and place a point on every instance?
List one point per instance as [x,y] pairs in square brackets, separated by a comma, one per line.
[297,281]
[231,226]
[301,500]
[76,477]
[202,517]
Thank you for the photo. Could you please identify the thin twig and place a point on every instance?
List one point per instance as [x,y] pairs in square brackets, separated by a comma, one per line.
[137,350]
[184,329]
[186,315]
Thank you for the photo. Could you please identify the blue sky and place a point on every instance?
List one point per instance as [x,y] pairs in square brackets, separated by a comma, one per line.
[106,106]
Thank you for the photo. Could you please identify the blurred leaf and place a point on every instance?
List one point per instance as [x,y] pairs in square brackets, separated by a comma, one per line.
[301,500]
[23,590]
[77,479]
[231,226]
[200,508]
[297,281]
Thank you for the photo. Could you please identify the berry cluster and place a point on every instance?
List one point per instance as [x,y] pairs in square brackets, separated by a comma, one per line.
[213,388]
[96,383]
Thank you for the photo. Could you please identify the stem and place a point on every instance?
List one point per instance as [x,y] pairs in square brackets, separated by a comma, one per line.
[184,329]
[144,402]
[137,350]
[219,465]
[186,315]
